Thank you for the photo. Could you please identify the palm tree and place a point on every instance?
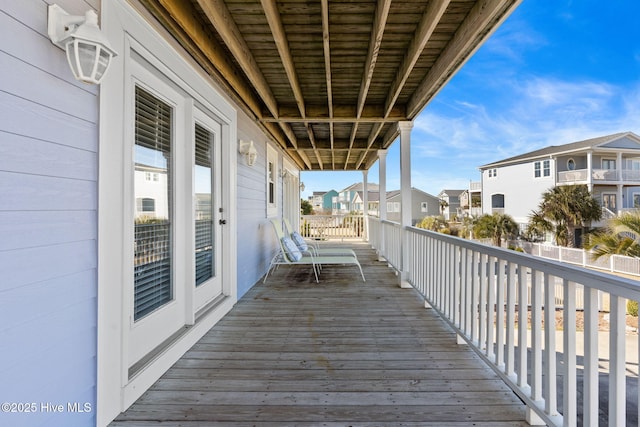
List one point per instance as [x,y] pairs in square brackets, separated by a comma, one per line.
[433,223]
[565,208]
[495,226]
[620,237]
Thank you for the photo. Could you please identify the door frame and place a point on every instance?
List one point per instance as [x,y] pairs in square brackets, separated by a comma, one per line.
[135,35]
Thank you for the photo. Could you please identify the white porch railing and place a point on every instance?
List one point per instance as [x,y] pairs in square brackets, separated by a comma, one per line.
[324,227]
[485,292]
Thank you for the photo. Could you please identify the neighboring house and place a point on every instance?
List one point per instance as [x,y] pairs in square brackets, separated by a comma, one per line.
[98,302]
[322,200]
[451,206]
[609,165]
[316,200]
[344,202]
[373,201]
[422,205]
[471,200]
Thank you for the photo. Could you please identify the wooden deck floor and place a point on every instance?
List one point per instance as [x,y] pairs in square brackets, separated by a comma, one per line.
[338,353]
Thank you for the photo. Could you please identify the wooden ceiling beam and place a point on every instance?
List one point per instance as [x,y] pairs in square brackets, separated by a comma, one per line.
[221,19]
[430,19]
[377,32]
[197,39]
[279,36]
[482,20]
[341,114]
[324,7]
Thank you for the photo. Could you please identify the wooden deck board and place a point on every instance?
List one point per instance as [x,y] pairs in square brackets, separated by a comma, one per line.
[341,352]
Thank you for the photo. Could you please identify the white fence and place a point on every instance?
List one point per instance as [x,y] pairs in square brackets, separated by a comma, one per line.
[485,293]
[324,227]
[613,263]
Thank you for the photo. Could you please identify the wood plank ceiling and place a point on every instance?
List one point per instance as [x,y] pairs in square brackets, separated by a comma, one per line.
[329,80]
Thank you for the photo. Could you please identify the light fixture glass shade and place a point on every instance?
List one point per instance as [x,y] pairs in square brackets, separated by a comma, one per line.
[87,49]
[88,60]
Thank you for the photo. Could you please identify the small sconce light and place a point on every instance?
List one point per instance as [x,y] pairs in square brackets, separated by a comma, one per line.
[88,50]
[249,151]
[302,187]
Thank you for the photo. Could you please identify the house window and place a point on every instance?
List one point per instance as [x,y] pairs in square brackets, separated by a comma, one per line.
[272,182]
[493,173]
[497,201]
[542,168]
[609,164]
[424,207]
[145,204]
[571,164]
[636,200]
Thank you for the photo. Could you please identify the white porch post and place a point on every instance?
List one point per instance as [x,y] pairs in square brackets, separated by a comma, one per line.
[619,167]
[590,171]
[382,203]
[619,201]
[405,191]
[365,204]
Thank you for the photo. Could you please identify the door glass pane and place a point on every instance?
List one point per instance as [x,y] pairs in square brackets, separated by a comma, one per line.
[205,266]
[153,285]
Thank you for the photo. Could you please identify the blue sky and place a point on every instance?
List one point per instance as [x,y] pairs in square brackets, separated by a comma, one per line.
[556,71]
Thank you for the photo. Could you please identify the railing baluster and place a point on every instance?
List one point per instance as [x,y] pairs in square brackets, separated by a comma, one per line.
[491,307]
[550,391]
[482,323]
[536,336]
[501,277]
[569,404]
[617,386]
[474,296]
[523,305]
[590,377]
[457,297]
[511,321]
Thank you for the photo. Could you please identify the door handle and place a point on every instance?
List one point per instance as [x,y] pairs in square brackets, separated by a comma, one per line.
[222,221]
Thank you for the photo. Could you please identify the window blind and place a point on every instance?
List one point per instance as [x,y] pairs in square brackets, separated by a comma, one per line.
[153,256]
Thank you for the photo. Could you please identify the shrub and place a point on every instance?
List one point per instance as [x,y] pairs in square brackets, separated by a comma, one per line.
[632,308]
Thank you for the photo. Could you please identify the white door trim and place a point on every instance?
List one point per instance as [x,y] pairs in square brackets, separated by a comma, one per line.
[135,36]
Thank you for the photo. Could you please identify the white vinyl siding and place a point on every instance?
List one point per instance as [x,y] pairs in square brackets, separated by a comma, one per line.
[48,221]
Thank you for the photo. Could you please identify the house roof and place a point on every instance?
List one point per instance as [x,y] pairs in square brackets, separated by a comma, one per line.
[565,148]
[329,81]
[358,186]
[395,193]
[450,193]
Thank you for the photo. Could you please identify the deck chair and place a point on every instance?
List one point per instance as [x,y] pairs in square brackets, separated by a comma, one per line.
[289,254]
[306,246]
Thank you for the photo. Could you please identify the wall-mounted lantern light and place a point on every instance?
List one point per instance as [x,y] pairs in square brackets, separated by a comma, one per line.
[302,187]
[249,151]
[88,50]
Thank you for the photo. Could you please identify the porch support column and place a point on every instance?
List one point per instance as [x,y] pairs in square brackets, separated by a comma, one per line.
[590,171]
[365,205]
[619,200]
[405,191]
[382,199]
[619,167]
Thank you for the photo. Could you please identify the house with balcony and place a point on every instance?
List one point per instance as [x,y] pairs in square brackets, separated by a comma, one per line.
[608,165]
[350,199]
[110,316]
[471,199]
[322,200]
[450,205]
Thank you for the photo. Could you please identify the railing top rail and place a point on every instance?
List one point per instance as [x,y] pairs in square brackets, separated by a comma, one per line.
[615,285]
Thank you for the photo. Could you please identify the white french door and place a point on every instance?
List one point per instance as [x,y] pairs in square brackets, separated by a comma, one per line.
[207,210]
[157,300]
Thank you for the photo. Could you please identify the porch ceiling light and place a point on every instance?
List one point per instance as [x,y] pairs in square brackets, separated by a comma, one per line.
[249,151]
[88,50]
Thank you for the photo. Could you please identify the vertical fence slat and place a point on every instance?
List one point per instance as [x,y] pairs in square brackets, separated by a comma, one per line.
[569,385]
[590,381]
[510,323]
[536,336]
[523,304]
[617,386]
[501,275]
[550,392]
